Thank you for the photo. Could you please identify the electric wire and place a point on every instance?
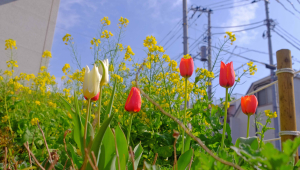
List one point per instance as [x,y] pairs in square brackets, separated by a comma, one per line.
[286,39]
[173,42]
[239,30]
[287,9]
[239,25]
[261,52]
[228,4]
[293,6]
[178,23]
[216,3]
[288,33]
[288,36]
[234,6]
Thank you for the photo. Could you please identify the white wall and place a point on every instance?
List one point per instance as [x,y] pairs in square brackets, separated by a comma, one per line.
[26,21]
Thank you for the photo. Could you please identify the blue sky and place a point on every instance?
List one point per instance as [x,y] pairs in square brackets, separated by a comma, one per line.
[81,18]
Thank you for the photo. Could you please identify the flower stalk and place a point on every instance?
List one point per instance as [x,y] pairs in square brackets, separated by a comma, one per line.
[248,125]
[99,111]
[225,119]
[184,120]
[129,128]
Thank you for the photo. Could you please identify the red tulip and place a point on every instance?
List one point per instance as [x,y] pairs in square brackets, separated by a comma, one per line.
[249,104]
[227,75]
[95,98]
[134,101]
[186,67]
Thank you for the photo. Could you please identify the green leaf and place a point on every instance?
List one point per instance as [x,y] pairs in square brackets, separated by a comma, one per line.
[122,147]
[151,167]
[165,151]
[251,141]
[138,151]
[113,163]
[108,150]
[187,143]
[78,127]
[290,147]
[184,160]
[98,139]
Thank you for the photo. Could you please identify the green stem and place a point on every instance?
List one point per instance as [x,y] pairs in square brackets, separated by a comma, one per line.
[248,125]
[225,119]
[184,120]
[129,129]
[99,114]
[86,123]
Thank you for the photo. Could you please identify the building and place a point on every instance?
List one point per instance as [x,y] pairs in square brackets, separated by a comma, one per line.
[31,23]
[238,120]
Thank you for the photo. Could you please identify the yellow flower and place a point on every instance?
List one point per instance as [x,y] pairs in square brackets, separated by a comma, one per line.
[106,34]
[10,44]
[270,114]
[93,116]
[150,41]
[187,56]
[120,47]
[105,21]
[66,68]
[38,103]
[95,41]
[47,54]
[4,119]
[228,104]
[66,38]
[63,77]
[128,53]
[43,68]
[123,21]
[34,121]
[69,115]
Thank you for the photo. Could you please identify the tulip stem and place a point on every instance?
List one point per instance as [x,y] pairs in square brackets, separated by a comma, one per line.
[184,120]
[86,122]
[225,119]
[248,125]
[129,129]
[99,111]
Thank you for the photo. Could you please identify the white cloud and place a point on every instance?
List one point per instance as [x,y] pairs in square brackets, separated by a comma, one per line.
[240,16]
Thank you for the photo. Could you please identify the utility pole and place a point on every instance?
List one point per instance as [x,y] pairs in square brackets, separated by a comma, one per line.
[272,74]
[209,52]
[208,11]
[185,33]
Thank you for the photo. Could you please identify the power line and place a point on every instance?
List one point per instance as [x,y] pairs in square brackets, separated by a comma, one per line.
[228,4]
[241,56]
[171,30]
[234,6]
[238,25]
[261,52]
[287,9]
[286,39]
[293,5]
[240,30]
[173,42]
[288,34]
[216,3]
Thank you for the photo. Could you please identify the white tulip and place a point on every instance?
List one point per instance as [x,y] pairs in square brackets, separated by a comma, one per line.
[91,82]
[105,77]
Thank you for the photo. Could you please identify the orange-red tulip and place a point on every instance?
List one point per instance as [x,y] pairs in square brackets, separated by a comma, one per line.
[227,75]
[95,98]
[134,101]
[249,104]
[186,67]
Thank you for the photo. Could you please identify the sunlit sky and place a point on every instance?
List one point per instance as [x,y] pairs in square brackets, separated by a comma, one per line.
[81,19]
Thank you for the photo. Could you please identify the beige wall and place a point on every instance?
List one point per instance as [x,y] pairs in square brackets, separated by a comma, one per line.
[31,23]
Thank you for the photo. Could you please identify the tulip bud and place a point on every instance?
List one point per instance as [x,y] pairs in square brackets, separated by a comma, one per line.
[175,134]
[249,104]
[91,82]
[134,101]
[105,77]
[95,98]
[186,66]
[227,75]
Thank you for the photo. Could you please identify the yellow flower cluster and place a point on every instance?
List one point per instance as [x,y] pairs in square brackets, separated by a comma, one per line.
[120,47]
[228,104]
[67,91]
[10,44]
[105,21]
[252,68]
[66,38]
[123,21]
[117,77]
[51,104]
[270,114]
[78,75]
[24,76]
[150,41]
[187,56]
[43,68]
[111,68]
[231,36]
[69,115]
[47,54]
[12,63]
[128,53]
[34,121]
[4,119]
[122,67]
[37,103]
[203,73]
[106,34]
[202,92]
[166,57]
[8,73]
[66,68]
[95,41]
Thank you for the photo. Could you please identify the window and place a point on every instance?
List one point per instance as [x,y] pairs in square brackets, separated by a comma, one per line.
[265,96]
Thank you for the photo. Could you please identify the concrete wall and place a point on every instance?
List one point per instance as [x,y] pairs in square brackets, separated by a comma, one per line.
[31,23]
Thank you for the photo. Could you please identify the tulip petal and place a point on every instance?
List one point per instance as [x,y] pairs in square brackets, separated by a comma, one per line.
[230,74]
[243,104]
[223,75]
